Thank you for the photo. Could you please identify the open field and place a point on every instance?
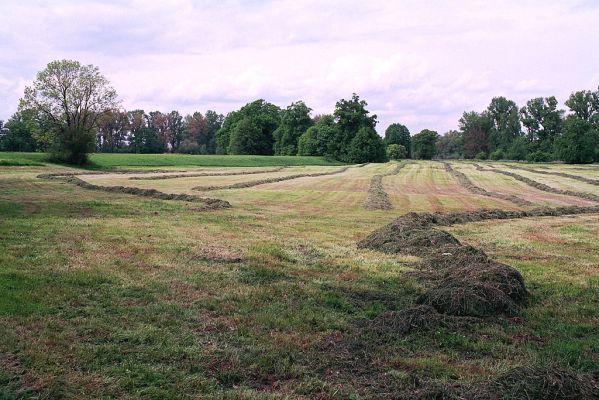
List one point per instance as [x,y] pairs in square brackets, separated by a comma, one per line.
[115,295]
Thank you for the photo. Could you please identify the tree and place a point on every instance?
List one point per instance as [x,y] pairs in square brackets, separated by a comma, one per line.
[543,122]
[423,144]
[366,146]
[113,127]
[398,134]
[585,105]
[295,120]
[214,121]
[450,145]
[351,116]
[505,123]
[396,152]
[319,139]
[475,128]
[72,97]
[18,133]
[259,119]
[578,142]
[175,127]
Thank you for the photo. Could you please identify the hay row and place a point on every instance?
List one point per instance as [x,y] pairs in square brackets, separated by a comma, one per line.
[541,186]
[555,173]
[243,185]
[173,176]
[208,203]
[472,188]
[118,171]
[377,198]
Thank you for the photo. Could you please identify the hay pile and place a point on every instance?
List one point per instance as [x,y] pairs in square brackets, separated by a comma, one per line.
[472,188]
[377,198]
[207,203]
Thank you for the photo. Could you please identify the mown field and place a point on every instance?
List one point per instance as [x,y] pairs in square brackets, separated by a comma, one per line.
[273,293]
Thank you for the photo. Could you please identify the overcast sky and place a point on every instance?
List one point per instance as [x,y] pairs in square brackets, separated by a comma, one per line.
[421,63]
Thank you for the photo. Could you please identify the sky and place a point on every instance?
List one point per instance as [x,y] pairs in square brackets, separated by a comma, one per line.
[419,63]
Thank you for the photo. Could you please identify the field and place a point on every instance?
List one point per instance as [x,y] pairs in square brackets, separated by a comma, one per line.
[273,291]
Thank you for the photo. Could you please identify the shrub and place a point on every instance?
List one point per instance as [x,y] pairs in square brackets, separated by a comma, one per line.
[396,152]
[481,156]
[539,156]
[497,155]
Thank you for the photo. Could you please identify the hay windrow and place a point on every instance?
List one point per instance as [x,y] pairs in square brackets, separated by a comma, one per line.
[243,185]
[472,188]
[207,203]
[555,173]
[200,174]
[541,186]
[377,198]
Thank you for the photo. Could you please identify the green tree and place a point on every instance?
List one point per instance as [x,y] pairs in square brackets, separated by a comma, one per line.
[72,97]
[585,105]
[214,121]
[505,123]
[396,152]
[113,127]
[450,145]
[475,128]
[398,134]
[175,129]
[578,142]
[543,122]
[424,144]
[18,133]
[351,116]
[295,120]
[319,139]
[259,114]
[367,146]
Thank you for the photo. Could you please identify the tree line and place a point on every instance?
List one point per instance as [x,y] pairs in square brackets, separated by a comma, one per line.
[71,110]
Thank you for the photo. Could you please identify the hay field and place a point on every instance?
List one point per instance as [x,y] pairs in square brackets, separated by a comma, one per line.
[116,295]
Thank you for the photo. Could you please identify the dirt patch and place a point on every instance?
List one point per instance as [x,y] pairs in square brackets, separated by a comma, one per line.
[541,186]
[243,185]
[207,203]
[556,173]
[173,176]
[472,188]
[378,199]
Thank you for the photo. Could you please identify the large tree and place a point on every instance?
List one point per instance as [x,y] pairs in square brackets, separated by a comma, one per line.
[505,123]
[113,127]
[424,144]
[450,145]
[579,141]
[20,133]
[319,139]
[367,146]
[584,104]
[543,122]
[351,116]
[295,120]
[475,128]
[398,134]
[72,97]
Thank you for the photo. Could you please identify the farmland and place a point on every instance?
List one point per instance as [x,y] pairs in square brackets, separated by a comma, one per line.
[278,294]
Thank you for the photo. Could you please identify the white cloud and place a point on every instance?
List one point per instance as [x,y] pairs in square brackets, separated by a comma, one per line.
[419,63]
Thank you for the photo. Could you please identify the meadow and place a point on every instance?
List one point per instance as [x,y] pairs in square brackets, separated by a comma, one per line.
[114,294]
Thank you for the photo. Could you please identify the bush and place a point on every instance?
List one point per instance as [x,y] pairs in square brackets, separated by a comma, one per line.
[481,156]
[539,156]
[396,152]
[189,147]
[497,155]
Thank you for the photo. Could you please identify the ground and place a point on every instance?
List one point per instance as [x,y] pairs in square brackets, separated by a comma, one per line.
[113,295]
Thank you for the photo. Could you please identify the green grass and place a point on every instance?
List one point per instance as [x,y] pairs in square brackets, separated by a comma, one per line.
[110,161]
[104,295]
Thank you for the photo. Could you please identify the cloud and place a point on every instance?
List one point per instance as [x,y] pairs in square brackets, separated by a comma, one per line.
[418,63]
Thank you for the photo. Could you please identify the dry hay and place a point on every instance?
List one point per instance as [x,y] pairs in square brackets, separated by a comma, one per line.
[377,198]
[418,318]
[207,203]
[195,175]
[243,185]
[556,173]
[472,188]
[547,383]
[543,187]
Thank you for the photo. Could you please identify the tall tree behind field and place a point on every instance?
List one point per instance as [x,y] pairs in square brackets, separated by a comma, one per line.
[584,104]
[505,123]
[174,122]
[295,120]
[22,132]
[158,122]
[214,121]
[350,116]
[399,134]
[475,128]
[543,122]
[450,145]
[319,139]
[113,128]
[143,138]
[424,144]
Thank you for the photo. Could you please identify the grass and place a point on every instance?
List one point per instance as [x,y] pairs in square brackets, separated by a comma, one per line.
[104,295]
[111,161]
